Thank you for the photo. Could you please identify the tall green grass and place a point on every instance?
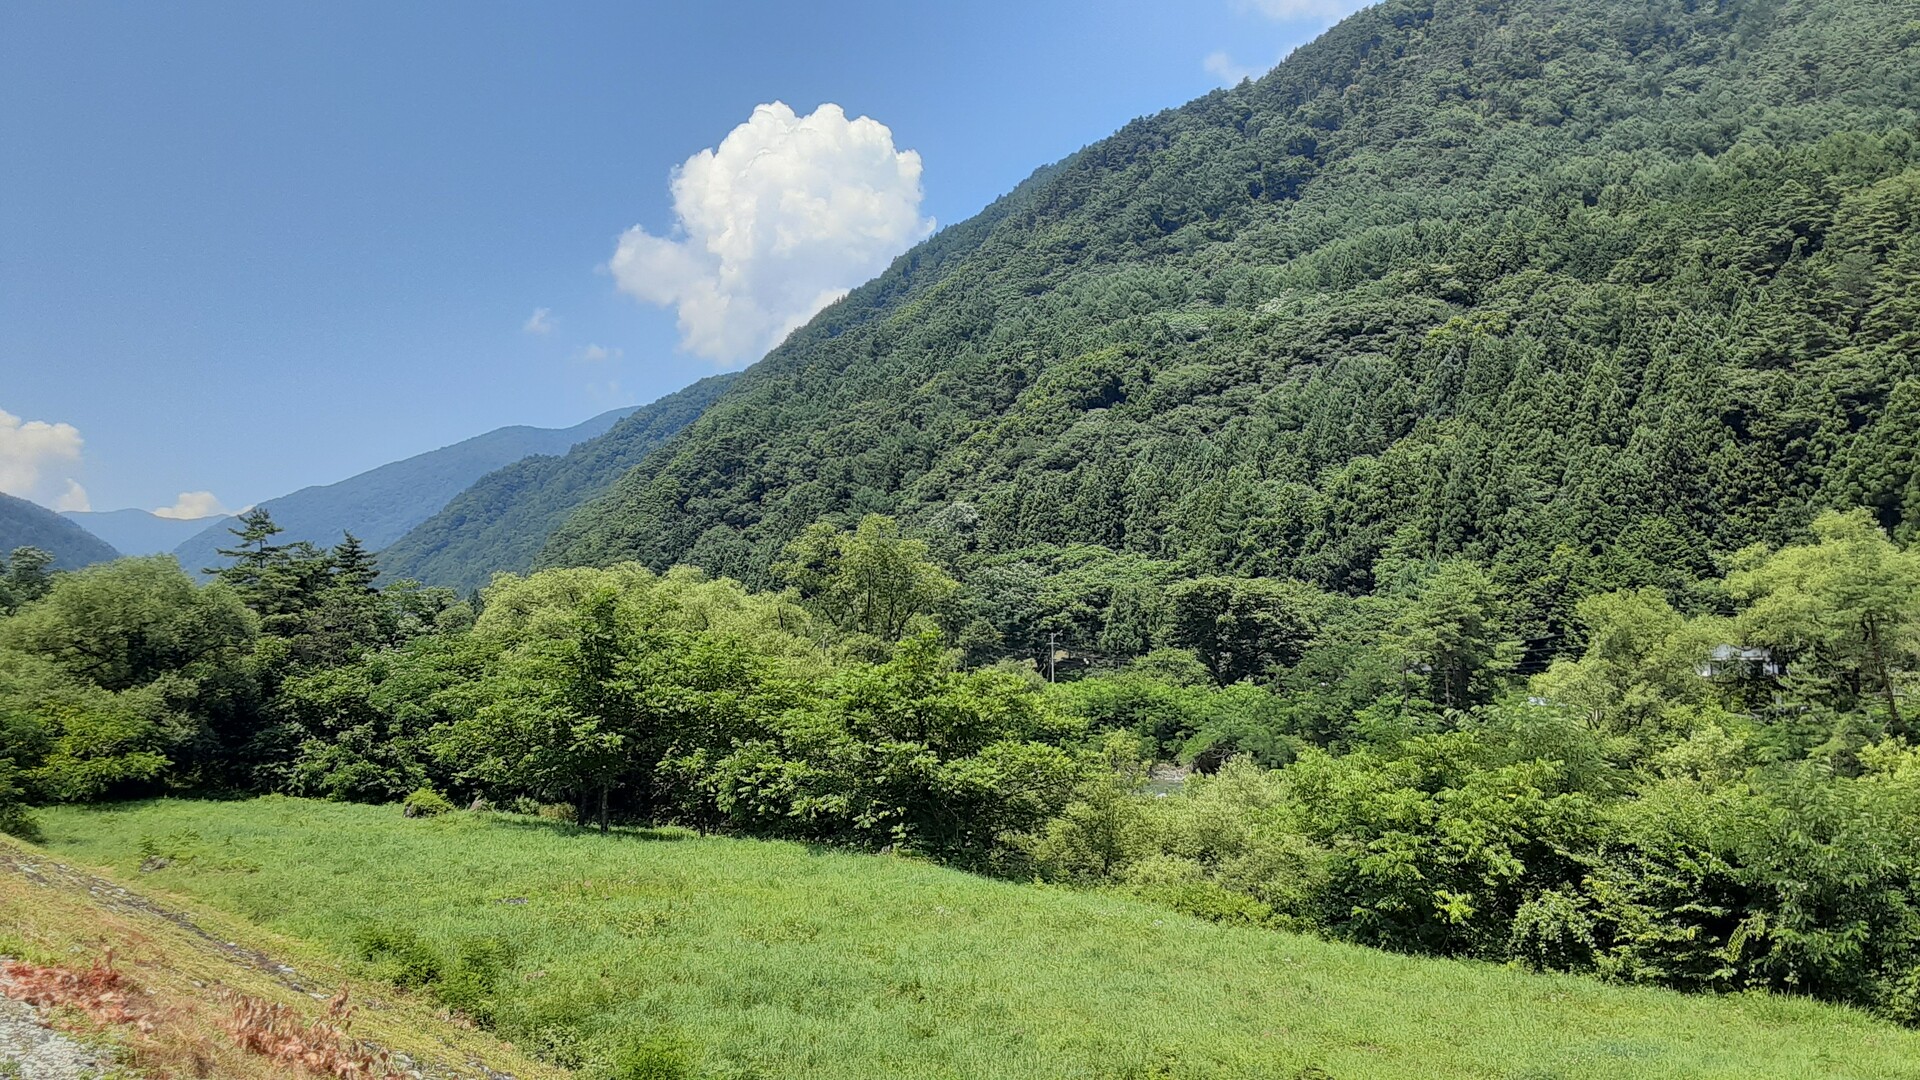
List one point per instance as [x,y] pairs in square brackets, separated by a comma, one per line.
[665,955]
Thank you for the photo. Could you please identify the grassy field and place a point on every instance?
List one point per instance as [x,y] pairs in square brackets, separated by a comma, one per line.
[733,958]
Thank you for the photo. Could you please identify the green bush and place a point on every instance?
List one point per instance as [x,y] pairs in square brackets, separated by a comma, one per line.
[469,982]
[1181,884]
[655,1057]
[14,819]
[16,822]
[399,956]
[426,802]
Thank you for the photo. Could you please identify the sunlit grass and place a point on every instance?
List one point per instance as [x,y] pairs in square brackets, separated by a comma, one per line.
[777,960]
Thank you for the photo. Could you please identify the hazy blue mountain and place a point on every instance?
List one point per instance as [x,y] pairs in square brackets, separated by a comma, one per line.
[380,505]
[141,532]
[501,521]
[25,524]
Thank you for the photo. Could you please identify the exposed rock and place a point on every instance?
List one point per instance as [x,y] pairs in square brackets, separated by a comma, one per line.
[37,1052]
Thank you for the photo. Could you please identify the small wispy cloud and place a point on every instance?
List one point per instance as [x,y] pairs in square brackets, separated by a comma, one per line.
[540,322]
[594,354]
[1300,15]
[1326,11]
[192,505]
[74,499]
[1230,72]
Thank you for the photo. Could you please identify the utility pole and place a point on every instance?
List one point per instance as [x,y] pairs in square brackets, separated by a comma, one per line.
[1051,635]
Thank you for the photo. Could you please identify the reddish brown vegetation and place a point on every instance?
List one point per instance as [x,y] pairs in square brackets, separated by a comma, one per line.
[276,1032]
[100,992]
[321,1046]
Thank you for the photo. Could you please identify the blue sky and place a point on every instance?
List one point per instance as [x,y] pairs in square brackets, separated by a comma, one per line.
[245,248]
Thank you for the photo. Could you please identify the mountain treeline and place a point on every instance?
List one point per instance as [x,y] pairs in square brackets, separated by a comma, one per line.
[380,505]
[500,522]
[26,524]
[1591,293]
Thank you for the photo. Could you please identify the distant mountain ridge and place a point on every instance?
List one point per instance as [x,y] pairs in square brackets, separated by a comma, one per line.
[501,522]
[379,506]
[141,532]
[25,524]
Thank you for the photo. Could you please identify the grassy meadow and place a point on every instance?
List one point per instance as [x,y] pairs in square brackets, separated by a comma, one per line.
[677,955]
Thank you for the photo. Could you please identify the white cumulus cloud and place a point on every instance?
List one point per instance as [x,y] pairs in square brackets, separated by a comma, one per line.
[775,223]
[540,322]
[73,499]
[36,456]
[191,505]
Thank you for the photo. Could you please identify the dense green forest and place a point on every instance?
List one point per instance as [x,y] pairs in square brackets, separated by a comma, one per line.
[1590,293]
[500,522]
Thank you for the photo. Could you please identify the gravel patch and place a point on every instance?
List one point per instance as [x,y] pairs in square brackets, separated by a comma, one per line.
[30,1050]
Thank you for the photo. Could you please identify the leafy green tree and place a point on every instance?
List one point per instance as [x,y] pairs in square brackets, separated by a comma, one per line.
[1847,605]
[1451,633]
[549,718]
[25,576]
[947,762]
[1641,663]
[1242,628]
[125,674]
[873,580]
[1097,834]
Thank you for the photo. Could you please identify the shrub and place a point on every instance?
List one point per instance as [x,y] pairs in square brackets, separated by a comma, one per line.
[16,822]
[656,1057]
[14,819]
[425,802]
[468,985]
[561,812]
[1181,884]
[1553,931]
[399,956]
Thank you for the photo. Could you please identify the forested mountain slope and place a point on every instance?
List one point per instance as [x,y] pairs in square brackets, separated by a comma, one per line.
[25,524]
[1587,291]
[379,506]
[502,520]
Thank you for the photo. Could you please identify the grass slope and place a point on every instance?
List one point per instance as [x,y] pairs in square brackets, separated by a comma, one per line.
[25,524]
[180,960]
[775,960]
[501,521]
